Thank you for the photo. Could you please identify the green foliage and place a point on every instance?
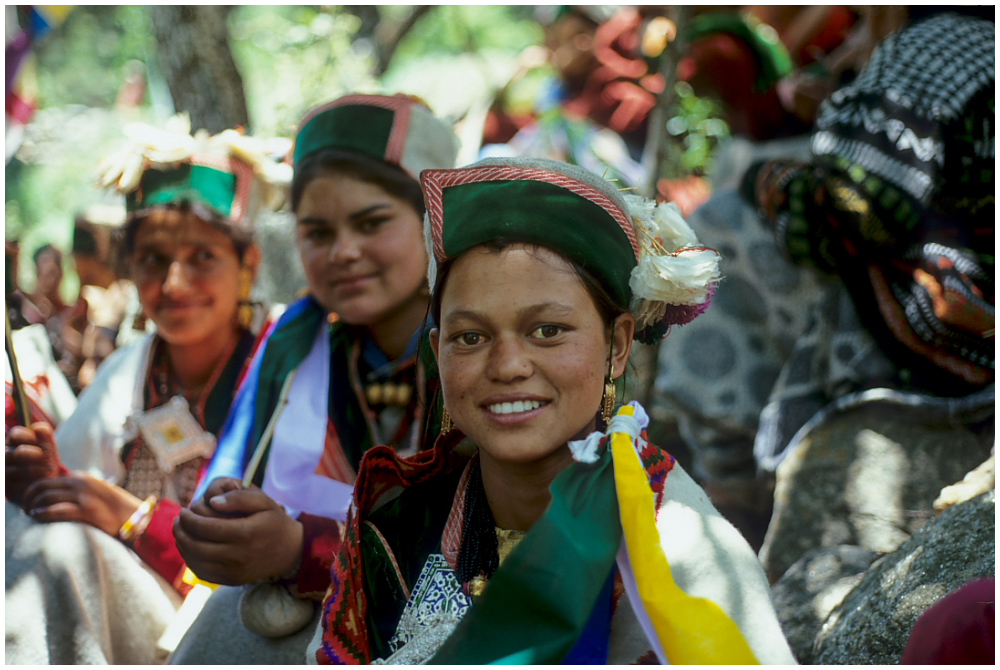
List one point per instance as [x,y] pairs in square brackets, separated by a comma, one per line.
[698,130]
[293,58]
[456,29]
[84,60]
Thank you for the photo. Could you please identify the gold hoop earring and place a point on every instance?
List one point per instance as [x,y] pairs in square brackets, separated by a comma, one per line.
[244,310]
[446,424]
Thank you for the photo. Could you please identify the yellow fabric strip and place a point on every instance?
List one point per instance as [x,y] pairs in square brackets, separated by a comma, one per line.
[691,630]
[54,14]
[192,579]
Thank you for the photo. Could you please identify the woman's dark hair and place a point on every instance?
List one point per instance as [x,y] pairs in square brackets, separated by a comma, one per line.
[84,242]
[241,235]
[391,179]
[606,307]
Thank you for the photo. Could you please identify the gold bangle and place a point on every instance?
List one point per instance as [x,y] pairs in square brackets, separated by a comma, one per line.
[130,528]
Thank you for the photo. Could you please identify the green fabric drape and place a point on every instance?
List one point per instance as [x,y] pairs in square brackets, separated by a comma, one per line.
[538,602]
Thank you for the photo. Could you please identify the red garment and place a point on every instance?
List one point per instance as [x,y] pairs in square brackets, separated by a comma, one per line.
[321,539]
[958,630]
[157,548]
[722,66]
[620,92]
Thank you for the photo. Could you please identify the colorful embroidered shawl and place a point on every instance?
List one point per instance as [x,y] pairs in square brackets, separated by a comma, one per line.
[540,600]
[349,421]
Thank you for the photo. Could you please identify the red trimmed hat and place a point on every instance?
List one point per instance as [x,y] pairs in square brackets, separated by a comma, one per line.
[645,255]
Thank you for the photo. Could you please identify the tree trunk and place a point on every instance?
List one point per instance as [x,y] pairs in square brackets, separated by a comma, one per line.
[193,47]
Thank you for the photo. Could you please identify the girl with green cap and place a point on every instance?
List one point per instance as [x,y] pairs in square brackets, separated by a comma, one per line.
[128,459]
[347,367]
[567,537]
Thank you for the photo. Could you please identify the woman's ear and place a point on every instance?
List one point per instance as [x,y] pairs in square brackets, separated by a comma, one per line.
[251,260]
[435,339]
[621,343]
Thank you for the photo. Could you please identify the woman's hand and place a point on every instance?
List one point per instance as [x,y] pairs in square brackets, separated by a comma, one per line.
[81,497]
[30,455]
[237,535]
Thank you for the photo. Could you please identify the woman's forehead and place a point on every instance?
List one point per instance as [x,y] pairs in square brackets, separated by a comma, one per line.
[516,276]
[175,227]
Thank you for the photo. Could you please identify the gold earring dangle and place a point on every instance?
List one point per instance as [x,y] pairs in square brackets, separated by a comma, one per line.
[608,401]
[244,310]
[446,424]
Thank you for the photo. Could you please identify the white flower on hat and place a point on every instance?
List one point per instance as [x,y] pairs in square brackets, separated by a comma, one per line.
[273,175]
[672,230]
[147,146]
[673,269]
[151,147]
[680,279]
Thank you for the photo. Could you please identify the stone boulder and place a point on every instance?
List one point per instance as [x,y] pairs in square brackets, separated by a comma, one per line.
[873,622]
[866,477]
[812,588]
[280,278]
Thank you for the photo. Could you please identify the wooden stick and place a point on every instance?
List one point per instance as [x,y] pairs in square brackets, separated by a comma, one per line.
[20,399]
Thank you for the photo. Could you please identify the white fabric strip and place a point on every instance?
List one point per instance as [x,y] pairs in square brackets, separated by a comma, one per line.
[632,591]
[299,438]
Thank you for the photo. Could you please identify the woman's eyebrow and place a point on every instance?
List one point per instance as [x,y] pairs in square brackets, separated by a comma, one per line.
[369,210]
[360,214]
[459,314]
[554,308]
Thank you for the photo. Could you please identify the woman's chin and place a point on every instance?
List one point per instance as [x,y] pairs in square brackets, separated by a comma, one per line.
[517,453]
[189,335]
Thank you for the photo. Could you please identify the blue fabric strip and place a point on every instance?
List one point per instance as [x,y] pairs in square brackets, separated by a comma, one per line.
[233,453]
[592,646]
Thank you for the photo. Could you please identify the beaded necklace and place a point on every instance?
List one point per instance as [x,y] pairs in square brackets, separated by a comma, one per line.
[484,546]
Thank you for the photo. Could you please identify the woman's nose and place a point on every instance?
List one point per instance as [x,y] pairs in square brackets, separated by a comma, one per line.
[347,248]
[508,360]
[176,279]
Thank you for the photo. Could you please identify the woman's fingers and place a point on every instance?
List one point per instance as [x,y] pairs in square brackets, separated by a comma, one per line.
[21,435]
[211,561]
[47,492]
[242,501]
[30,455]
[222,485]
[46,436]
[41,487]
[239,550]
[59,511]
[214,529]
[25,454]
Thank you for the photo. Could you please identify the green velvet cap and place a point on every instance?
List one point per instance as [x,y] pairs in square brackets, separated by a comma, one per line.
[555,205]
[360,128]
[396,129]
[208,186]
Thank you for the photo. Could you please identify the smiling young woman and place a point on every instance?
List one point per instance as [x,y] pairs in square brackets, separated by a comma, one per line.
[346,368]
[565,524]
[129,458]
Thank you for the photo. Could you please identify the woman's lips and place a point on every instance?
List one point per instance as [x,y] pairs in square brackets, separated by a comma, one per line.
[181,306]
[513,412]
[352,283]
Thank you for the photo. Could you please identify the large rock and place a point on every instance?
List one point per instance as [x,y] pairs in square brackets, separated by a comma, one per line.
[873,623]
[866,477]
[280,278]
[812,588]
